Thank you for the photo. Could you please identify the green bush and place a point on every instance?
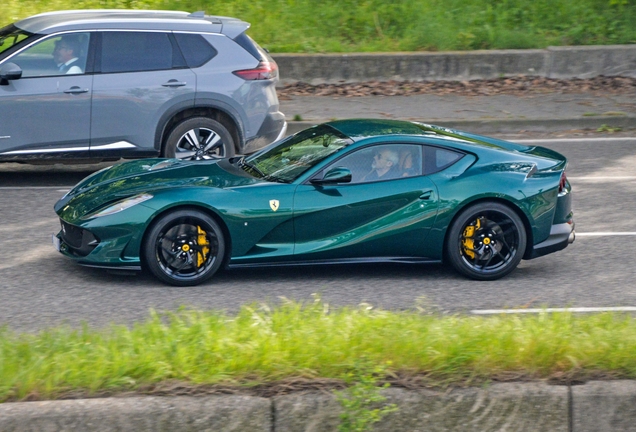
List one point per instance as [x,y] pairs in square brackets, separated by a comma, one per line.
[397,25]
[263,344]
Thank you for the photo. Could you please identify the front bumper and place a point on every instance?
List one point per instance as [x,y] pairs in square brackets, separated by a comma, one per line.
[561,235]
[109,242]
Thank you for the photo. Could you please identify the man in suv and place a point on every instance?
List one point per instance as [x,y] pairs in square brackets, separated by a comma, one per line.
[137,84]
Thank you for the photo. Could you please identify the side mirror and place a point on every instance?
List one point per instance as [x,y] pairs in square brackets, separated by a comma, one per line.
[334,175]
[10,71]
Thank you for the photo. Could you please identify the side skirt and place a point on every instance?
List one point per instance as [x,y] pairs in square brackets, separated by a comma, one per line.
[401,260]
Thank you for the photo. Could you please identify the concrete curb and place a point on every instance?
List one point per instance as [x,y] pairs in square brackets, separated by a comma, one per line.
[508,125]
[596,406]
[553,62]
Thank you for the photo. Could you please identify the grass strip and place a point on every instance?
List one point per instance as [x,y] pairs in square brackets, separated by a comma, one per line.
[263,344]
[397,25]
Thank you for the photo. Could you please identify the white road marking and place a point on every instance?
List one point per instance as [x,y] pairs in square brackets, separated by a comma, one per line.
[604,234]
[537,310]
[601,178]
[573,140]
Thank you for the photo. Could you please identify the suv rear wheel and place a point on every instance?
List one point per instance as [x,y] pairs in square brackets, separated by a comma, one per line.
[199,138]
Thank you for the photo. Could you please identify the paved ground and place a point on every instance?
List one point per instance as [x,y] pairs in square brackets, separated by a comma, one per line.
[39,287]
[587,107]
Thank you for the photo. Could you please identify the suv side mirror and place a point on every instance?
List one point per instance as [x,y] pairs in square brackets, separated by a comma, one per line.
[9,71]
[334,175]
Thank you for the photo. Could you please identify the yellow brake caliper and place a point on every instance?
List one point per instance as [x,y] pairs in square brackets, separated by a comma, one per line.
[469,242]
[203,242]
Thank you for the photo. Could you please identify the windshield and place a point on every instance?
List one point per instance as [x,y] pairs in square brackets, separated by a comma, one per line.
[11,36]
[288,160]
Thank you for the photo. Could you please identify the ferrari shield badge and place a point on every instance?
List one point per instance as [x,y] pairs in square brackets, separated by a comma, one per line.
[274,204]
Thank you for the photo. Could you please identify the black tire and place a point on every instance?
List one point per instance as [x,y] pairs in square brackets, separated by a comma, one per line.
[199,138]
[184,248]
[486,241]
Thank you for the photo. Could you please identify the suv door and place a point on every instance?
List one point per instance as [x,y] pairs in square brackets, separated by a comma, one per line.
[46,112]
[141,80]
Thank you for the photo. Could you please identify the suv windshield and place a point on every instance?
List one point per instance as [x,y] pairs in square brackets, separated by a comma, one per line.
[11,36]
[286,161]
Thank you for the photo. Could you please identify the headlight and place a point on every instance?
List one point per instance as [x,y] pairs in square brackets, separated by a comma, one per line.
[119,206]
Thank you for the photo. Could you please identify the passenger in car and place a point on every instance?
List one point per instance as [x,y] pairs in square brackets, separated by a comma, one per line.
[384,166]
[408,166]
[66,54]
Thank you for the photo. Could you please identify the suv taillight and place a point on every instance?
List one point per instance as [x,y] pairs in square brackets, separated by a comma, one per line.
[562,182]
[264,71]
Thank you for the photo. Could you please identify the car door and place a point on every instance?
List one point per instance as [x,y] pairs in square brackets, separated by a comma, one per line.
[142,78]
[368,216]
[46,112]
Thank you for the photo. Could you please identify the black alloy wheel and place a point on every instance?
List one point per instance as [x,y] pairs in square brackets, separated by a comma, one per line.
[487,241]
[184,248]
[199,138]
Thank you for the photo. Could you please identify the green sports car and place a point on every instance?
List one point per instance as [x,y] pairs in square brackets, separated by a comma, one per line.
[341,192]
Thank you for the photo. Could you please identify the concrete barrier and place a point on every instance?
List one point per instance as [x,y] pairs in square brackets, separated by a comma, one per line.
[519,407]
[604,406]
[527,407]
[553,62]
[182,414]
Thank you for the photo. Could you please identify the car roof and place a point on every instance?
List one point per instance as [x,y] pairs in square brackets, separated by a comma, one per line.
[358,129]
[364,128]
[91,19]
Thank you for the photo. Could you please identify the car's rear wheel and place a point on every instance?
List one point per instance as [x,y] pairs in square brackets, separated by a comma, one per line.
[199,138]
[184,248]
[487,241]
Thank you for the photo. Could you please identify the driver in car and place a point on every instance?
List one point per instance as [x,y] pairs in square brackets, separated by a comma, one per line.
[66,54]
[384,166]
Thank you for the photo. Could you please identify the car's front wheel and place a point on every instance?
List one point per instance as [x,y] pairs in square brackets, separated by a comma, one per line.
[184,248]
[199,138]
[487,241]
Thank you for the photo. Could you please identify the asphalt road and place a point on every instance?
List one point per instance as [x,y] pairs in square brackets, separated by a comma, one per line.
[40,288]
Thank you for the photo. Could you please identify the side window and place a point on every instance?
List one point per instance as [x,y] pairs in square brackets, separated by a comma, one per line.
[437,159]
[196,50]
[383,162]
[57,55]
[135,52]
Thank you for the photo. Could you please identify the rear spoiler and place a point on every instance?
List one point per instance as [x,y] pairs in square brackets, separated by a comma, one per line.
[546,153]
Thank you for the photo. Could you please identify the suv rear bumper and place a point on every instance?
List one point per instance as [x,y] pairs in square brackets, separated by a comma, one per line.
[273,128]
[561,235]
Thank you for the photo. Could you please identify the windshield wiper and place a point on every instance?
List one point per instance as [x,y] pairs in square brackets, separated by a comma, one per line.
[251,167]
[241,163]
[275,179]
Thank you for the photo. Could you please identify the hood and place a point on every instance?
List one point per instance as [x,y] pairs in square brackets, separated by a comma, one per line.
[145,176]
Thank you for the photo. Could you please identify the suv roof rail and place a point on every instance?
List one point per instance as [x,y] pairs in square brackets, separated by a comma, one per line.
[197,14]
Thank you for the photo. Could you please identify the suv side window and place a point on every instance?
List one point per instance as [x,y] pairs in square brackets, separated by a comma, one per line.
[58,55]
[196,50]
[135,52]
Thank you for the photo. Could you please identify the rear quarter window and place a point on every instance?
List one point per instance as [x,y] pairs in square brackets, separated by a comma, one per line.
[196,50]
[250,46]
[436,159]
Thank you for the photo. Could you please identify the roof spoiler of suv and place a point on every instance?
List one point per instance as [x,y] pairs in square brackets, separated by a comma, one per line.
[234,27]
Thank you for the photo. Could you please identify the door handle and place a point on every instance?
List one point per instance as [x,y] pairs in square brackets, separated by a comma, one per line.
[174,83]
[426,195]
[76,90]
